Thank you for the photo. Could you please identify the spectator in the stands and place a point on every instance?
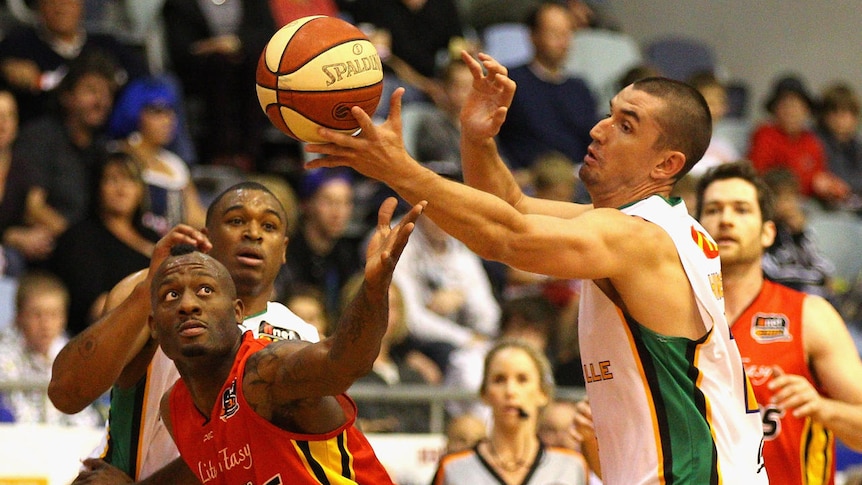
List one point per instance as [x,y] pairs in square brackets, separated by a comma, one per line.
[787,140]
[28,349]
[838,129]
[551,111]
[63,149]
[35,58]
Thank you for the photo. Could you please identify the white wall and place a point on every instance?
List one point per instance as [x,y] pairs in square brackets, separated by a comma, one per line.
[756,40]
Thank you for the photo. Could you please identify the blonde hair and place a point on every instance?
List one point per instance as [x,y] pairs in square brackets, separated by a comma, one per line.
[546,375]
[36,282]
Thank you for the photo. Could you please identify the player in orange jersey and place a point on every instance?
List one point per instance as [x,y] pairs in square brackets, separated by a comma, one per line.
[797,351]
[251,410]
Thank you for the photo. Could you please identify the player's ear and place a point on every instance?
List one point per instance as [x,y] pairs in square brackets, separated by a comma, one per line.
[767,234]
[671,164]
[154,333]
[239,310]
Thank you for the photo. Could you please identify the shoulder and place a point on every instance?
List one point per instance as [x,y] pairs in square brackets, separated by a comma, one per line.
[565,459]
[41,131]
[278,315]
[458,458]
[521,73]
[565,455]
[821,323]
[645,221]
[815,309]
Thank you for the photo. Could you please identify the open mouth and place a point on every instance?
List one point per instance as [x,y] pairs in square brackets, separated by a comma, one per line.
[250,257]
[590,156]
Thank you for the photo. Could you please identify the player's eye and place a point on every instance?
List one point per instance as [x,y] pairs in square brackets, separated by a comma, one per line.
[205,290]
[171,295]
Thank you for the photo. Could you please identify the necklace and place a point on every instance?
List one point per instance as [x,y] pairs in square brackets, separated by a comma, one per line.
[510,466]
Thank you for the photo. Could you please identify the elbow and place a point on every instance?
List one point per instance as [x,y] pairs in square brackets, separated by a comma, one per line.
[65,397]
[356,372]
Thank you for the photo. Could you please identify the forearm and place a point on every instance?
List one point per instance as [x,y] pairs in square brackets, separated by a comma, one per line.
[844,420]
[355,343]
[92,362]
[488,221]
[484,169]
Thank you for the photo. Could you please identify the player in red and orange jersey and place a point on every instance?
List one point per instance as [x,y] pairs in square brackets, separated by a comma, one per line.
[797,351]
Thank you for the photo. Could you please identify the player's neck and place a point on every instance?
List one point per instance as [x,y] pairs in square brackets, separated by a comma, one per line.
[741,284]
[206,377]
[254,304]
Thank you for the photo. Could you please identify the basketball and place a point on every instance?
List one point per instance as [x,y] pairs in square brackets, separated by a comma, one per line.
[312,71]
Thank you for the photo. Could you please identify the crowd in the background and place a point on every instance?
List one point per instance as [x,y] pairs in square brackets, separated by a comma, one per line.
[106,142]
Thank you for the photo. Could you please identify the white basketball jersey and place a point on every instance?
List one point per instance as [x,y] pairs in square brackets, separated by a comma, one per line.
[669,410]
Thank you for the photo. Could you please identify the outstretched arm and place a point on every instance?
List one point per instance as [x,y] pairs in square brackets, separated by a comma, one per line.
[118,347]
[593,247]
[329,367]
[481,118]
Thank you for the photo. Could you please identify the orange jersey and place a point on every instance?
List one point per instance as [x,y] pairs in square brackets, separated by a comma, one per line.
[769,333]
[236,445]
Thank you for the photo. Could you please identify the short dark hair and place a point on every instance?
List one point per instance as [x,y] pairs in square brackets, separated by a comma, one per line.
[247,185]
[532,18]
[685,122]
[181,249]
[839,97]
[132,169]
[744,170]
[92,63]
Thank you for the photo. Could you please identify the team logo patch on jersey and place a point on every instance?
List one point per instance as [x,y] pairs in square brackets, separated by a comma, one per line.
[706,244]
[770,327]
[269,331]
[229,402]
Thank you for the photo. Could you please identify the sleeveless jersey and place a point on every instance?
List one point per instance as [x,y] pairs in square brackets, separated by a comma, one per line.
[557,466]
[769,332]
[235,445]
[136,440]
[670,410]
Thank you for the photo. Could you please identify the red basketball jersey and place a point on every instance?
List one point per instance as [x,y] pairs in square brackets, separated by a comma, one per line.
[768,333]
[236,445]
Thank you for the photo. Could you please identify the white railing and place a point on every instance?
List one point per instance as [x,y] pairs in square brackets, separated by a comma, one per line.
[434,396]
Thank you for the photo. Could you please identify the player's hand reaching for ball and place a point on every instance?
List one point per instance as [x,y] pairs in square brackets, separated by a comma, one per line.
[377,151]
[486,107]
[387,243]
